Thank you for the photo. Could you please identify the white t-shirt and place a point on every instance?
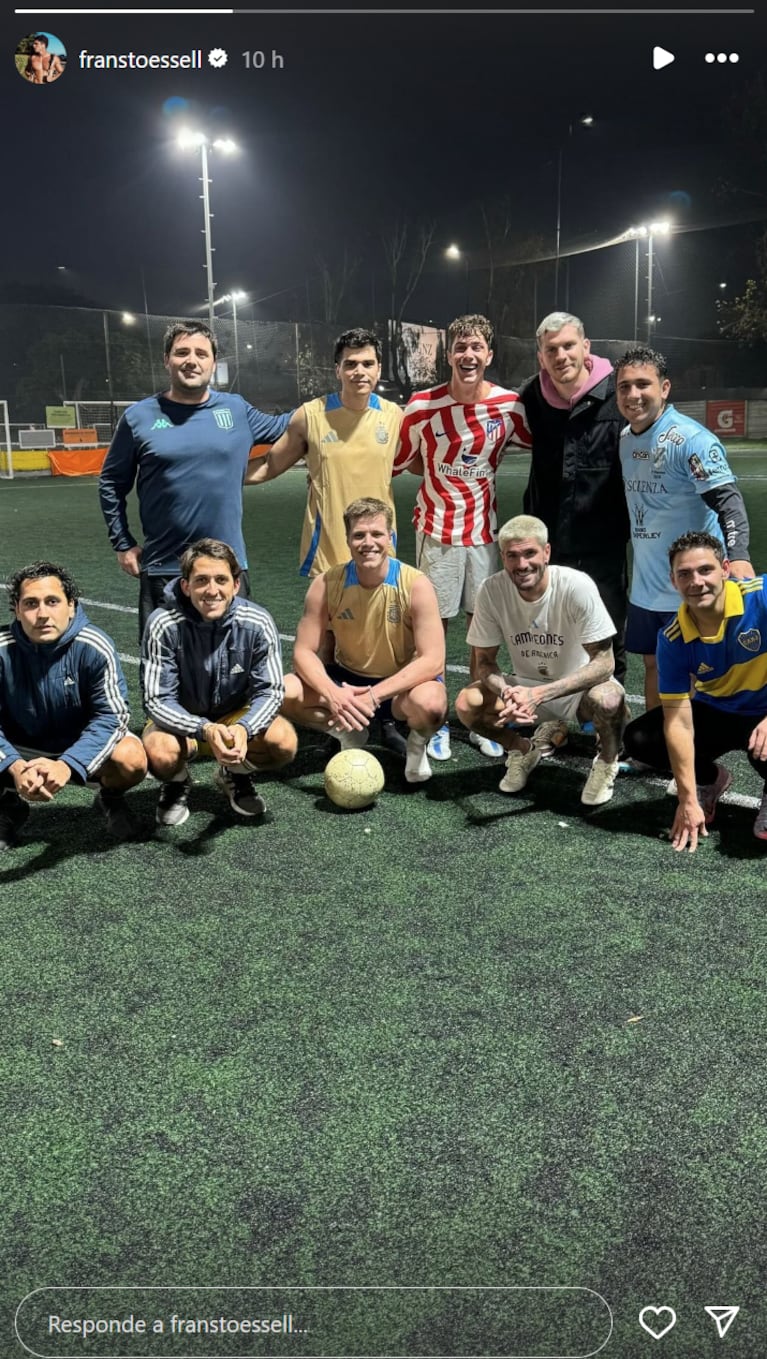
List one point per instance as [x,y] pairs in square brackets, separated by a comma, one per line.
[545,638]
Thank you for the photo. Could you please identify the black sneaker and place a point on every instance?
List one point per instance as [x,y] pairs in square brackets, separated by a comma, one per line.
[13,814]
[173,803]
[119,818]
[243,798]
[393,739]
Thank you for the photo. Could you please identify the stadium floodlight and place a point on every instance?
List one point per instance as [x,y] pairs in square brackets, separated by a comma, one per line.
[193,139]
[646,231]
[454,252]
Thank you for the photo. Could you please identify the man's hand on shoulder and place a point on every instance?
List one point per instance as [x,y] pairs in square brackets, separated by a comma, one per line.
[742,570]
[130,560]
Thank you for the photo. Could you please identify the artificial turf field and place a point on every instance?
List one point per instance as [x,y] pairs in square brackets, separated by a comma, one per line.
[458,1039]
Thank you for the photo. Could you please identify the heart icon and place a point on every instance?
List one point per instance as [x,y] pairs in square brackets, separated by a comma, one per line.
[657,1313]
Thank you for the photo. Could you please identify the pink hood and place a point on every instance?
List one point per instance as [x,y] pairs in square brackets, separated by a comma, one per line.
[597,370]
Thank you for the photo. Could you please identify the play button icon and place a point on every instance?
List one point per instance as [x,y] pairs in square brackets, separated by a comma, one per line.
[661,58]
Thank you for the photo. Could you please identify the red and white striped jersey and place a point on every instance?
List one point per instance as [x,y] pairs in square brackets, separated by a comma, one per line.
[461,446]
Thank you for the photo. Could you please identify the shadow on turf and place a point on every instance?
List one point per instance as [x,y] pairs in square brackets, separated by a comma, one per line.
[62,832]
[639,806]
[65,831]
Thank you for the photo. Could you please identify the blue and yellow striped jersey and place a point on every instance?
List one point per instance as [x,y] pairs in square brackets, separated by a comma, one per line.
[729,670]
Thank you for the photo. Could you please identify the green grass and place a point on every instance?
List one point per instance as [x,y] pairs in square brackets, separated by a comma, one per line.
[456,1039]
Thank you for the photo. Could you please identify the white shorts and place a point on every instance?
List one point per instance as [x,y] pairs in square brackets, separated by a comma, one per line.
[456,572]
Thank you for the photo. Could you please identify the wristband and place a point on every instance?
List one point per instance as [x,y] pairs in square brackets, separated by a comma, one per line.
[376,704]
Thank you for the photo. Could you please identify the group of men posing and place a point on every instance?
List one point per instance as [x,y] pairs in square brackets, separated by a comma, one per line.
[609,455]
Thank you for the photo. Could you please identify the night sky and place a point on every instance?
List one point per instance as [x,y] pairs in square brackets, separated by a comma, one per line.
[372,118]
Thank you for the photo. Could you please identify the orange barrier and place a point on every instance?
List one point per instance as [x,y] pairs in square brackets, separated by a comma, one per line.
[76,462]
[87,462]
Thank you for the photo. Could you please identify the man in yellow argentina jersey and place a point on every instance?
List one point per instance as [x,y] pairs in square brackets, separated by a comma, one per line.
[389,644]
[348,439]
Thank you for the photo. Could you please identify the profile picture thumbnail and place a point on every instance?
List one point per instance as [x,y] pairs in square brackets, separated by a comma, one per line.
[41,58]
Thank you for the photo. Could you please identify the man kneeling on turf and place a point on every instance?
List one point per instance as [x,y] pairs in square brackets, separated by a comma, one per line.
[559,636]
[389,644]
[718,640]
[211,672]
[63,705]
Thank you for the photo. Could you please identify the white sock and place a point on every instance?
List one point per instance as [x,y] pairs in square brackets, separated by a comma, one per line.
[417,767]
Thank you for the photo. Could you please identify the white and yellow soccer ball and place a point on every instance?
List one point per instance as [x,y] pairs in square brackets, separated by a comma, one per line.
[353,779]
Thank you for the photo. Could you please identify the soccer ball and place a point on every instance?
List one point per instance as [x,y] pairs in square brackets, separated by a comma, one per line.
[353,779]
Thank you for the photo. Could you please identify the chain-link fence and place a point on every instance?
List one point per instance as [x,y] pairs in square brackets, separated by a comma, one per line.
[49,355]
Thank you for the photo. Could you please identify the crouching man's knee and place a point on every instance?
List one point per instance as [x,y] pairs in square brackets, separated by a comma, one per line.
[607,699]
[277,746]
[126,765]
[469,705]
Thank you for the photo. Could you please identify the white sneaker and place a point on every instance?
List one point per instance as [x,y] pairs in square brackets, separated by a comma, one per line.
[352,740]
[600,784]
[439,745]
[550,737]
[485,746]
[519,766]
[417,767]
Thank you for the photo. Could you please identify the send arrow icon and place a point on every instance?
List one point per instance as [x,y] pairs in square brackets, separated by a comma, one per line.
[722,1317]
[661,58]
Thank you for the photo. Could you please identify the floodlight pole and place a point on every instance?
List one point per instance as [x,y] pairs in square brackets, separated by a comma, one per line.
[236,340]
[636,289]
[207,231]
[649,289]
[108,357]
[585,121]
[559,220]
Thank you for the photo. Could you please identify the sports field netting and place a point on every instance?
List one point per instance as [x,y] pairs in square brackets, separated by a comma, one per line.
[459,1038]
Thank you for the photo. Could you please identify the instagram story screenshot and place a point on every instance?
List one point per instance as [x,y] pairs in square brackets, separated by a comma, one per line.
[383,682]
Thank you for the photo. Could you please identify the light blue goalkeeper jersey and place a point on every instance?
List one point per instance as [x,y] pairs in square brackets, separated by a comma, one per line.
[666,471]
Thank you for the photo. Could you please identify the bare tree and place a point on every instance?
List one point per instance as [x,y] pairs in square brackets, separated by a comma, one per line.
[335,281]
[512,271]
[406,249]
